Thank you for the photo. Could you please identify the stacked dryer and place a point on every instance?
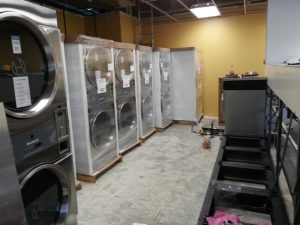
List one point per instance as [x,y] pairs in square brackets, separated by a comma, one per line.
[145,91]
[162,87]
[32,90]
[126,95]
[91,86]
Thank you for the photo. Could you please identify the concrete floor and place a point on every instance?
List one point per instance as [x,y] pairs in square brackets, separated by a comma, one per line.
[162,182]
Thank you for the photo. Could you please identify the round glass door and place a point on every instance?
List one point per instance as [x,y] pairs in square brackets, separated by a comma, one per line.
[45,193]
[98,62]
[127,118]
[124,64]
[27,68]
[164,65]
[145,63]
[102,130]
[147,108]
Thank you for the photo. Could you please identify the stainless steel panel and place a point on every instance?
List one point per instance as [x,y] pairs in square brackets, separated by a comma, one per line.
[11,206]
[244,112]
[285,82]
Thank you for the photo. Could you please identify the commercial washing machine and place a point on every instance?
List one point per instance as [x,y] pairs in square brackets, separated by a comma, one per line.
[91,90]
[32,90]
[145,91]
[126,91]
[162,87]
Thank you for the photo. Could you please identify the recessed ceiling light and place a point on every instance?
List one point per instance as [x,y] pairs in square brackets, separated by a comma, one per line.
[205,10]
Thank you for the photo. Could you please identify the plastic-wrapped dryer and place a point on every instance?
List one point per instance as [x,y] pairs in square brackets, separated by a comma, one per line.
[126,91]
[91,85]
[162,87]
[145,91]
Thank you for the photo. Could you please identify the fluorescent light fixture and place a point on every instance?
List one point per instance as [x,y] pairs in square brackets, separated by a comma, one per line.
[205,10]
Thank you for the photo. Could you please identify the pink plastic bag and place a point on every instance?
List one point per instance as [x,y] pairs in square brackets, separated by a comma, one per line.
[220,218]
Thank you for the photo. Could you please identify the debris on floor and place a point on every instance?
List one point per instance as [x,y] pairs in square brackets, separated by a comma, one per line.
[222,218]
[206,143]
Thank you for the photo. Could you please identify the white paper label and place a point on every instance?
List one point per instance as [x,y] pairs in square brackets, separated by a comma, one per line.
[147,78]
[22,91]
[150,65]
[166,75]
[16,44]
[101,83]
[110,67]
[161,65]
[131,68]
[108,74]
[126,81]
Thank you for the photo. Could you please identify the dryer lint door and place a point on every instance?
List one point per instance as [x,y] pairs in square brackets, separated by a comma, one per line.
[147,110]
[46,195]
[99,67]
[124,67]
[166,105]
[103,132]
[126,119]
[28,80]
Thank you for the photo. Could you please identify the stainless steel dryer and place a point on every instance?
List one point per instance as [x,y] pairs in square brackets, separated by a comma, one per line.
[145,91]
[32,89]
[162,87]
[126,95]
[91,90]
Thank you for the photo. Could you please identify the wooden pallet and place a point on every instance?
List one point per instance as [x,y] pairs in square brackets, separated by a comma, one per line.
[162,129]
[93,178]
[78,185]
[138,143]
[147,136]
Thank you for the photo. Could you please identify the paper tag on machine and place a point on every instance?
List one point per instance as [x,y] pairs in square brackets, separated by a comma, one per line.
[110,67]
[101,83]
[22,91]
[147,78]
[126,81]
[16,44]
[165,75]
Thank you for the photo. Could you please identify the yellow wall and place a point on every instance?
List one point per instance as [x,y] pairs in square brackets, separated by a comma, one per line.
[238,41]
[108,26]
[115,26]
[129,29]
[75,25]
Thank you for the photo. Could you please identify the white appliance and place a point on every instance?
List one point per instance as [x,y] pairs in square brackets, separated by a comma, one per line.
[145,91]
[91,89]
[187,84]
[126,92]
[162,87]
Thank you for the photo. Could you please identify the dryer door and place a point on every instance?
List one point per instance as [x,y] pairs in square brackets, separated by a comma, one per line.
[98,66]
[127,119]
[28,80]
[145,66]
[164,65]
[46,195]
[124,66]
[147,109]
[103,131]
